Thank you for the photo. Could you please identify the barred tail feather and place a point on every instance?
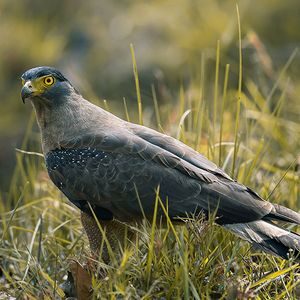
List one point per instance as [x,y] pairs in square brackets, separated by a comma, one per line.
[283,214]
[268,237]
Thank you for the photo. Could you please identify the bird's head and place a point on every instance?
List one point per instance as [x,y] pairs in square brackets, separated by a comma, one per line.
[45,85]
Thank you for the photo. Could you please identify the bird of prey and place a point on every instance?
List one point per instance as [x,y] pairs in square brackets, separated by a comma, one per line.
[116,168]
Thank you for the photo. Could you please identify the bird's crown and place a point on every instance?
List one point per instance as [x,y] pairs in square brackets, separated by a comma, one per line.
[39,72]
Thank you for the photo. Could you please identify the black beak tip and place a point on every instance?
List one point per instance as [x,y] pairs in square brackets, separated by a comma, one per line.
[25,93]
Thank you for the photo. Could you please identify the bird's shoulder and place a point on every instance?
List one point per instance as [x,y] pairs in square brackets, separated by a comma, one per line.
[176,147]
[126,138]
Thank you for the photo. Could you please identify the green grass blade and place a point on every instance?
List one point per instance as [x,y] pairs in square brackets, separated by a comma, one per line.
[238,104]
[137,85]
[216,87]
[224,96]
[156,108]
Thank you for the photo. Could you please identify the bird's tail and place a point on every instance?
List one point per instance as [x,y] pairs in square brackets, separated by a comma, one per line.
[268,237]
[281,213]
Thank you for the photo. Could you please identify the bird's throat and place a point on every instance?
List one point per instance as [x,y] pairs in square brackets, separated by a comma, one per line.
[41,113]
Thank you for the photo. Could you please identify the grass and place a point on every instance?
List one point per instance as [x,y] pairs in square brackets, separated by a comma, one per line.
[41,232]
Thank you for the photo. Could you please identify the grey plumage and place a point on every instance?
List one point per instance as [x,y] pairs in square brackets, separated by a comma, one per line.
[93,156]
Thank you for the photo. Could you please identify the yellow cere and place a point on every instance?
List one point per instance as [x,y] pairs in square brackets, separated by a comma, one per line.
[23,81]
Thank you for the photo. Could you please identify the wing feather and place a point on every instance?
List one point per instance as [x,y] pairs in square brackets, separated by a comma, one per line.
[126,142]
[177,148]
[112,181]
[134,157]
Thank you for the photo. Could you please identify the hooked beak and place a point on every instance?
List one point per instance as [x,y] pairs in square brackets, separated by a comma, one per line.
[27,90]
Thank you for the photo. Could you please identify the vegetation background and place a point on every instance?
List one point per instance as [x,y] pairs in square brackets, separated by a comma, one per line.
[182,49]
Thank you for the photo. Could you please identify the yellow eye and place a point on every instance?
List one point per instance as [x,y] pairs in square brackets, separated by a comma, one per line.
[49,80]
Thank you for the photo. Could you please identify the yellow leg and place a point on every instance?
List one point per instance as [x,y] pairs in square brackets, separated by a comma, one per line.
[111,236]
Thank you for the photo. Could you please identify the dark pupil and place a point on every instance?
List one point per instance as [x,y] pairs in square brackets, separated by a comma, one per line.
[48,80]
